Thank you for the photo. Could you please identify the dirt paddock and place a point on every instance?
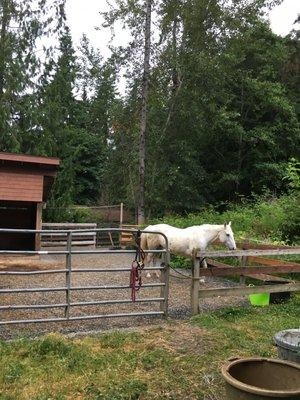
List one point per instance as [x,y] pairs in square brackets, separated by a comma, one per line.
[179,295]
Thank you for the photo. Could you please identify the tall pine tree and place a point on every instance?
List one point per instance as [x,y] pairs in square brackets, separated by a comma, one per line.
[23,25]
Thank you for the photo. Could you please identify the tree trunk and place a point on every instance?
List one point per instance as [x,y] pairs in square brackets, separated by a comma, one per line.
[143,124]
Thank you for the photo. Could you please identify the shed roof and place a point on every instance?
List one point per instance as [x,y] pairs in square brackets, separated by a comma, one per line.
[25,158]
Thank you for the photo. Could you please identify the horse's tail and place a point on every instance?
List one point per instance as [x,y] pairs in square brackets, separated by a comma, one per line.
[144,241]
[145,245]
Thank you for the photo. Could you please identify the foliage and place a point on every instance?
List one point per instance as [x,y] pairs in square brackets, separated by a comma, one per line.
[293,174]
[23,25]
[265,219]
[223,113]
[222,121]
[69,214]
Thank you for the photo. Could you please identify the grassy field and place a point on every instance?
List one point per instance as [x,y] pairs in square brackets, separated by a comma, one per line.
[175,360]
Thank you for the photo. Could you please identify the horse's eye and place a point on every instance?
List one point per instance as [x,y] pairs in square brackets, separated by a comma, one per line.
[227,234]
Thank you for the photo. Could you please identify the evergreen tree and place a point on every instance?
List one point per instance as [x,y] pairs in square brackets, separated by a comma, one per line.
[23,25]
[218,111]
[222,103]
[58,119]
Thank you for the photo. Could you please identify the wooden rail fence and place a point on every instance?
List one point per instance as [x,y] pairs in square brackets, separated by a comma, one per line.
[126,238]
[90,239]
[259,272]
[59,239]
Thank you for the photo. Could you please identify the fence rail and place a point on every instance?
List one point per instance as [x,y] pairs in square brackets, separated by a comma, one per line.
[242,291]
[68,287]
[253,270]
[83,317]
[251,252]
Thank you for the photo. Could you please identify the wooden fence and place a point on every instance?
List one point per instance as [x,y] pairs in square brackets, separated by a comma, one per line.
[92,239]
[260,272]
[60,239]
[127,238]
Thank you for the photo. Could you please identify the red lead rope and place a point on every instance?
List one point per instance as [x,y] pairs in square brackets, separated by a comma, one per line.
[135,278]
[136,268]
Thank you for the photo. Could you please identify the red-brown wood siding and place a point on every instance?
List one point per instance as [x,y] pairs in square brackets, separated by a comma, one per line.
[21,186]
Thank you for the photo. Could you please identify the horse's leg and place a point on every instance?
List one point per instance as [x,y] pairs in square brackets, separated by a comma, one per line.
[149,260]
[154,265]
[203,263]
[158,262]
[154,262]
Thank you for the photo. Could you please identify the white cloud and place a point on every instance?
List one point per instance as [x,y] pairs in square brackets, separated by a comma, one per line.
[283,16]
[84,15]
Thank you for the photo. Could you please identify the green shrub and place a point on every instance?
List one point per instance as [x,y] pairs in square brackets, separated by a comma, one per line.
[267,218]
[71,214]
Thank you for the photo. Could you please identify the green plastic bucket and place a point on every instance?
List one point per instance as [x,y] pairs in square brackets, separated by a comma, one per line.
[259,299]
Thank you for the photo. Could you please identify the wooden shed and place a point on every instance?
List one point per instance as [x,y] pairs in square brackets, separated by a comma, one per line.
[25,184]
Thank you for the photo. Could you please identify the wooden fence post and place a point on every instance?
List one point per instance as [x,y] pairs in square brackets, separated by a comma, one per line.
[195,286]
[244,263]
[38,226]
[121,223]
[121,214]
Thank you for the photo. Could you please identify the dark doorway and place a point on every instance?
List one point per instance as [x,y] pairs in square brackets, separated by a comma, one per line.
[17,215]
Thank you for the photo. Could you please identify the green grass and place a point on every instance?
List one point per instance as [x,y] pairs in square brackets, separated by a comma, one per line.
[175,361]
[251,328]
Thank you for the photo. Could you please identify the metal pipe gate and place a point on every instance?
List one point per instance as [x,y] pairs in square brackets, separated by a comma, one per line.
[69,271]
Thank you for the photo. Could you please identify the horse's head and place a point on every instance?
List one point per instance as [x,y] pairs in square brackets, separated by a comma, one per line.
[226,236]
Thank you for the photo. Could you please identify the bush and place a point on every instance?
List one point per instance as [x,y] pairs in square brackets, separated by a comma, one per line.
[71,214]
[267,218]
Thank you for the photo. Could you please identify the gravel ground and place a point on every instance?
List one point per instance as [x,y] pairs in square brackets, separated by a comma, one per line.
[179,295]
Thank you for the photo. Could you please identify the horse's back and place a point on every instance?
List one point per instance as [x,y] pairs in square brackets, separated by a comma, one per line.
[153,240]
[158,228]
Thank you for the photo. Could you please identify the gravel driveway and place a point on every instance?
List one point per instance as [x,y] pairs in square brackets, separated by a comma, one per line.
[179,295]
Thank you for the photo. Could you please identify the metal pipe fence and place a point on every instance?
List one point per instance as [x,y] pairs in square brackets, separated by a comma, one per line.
[68,288]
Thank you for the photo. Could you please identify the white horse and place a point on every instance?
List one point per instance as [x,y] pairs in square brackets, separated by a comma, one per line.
[185,242]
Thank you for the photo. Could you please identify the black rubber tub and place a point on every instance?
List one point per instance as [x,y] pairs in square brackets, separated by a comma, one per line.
[281,297]
[261,379]
[288,345]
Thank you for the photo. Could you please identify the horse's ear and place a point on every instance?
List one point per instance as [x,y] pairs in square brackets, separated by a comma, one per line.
[225,224]
[229,223]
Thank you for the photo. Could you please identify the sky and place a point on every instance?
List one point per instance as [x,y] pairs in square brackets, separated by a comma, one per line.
[83,16]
